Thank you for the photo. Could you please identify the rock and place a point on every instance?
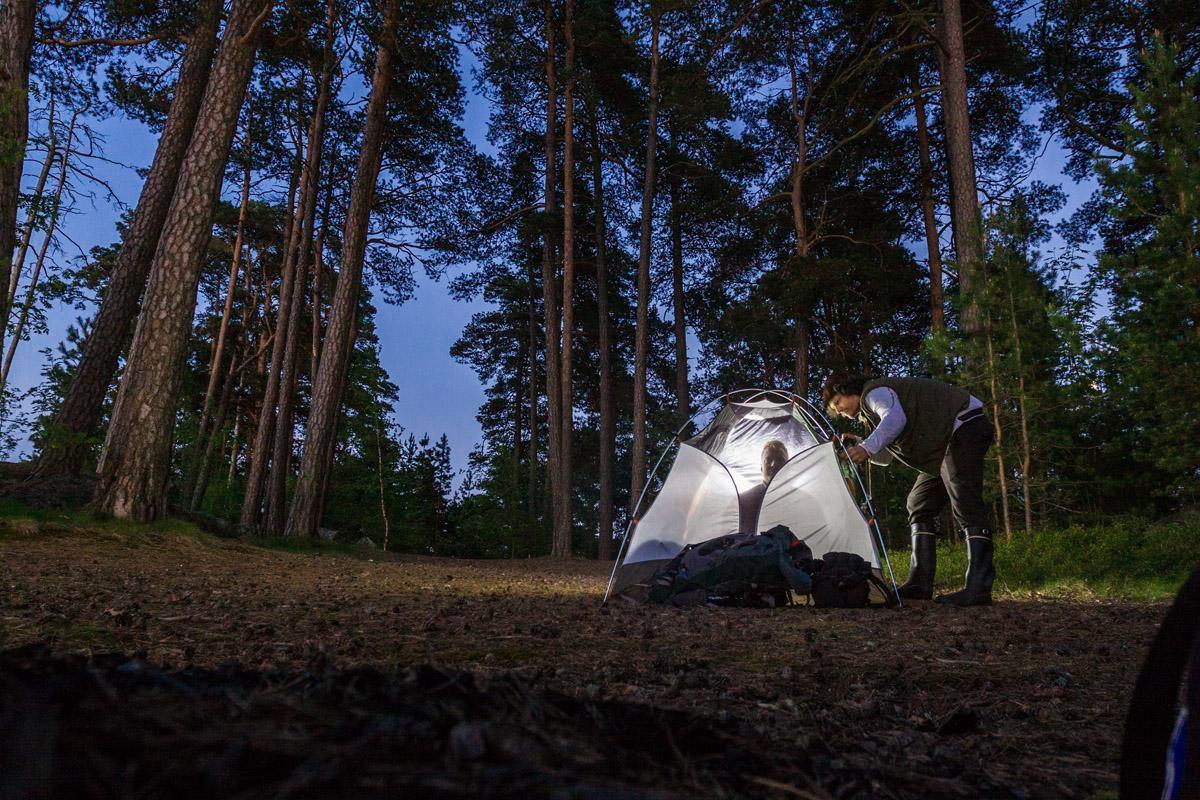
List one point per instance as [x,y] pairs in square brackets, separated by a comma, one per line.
[328,534]
[365,541]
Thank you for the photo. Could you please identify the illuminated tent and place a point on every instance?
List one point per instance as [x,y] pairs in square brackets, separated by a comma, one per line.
[715,470]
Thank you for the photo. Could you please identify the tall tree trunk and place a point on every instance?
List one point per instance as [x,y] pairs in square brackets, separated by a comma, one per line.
[33,215]
[282,450]
[642,345]
[562,523]
[683,400]
[264,431]
[78,417]
[318,274]
[135,465]
[203,429]
[16,45]
[383,513]
[999,430]
[960,161]
[553,321]
[607,414]
[204,466]
[532,505]
[1026,449]
[329,384]
[802,332]
[928,207]
[51,227]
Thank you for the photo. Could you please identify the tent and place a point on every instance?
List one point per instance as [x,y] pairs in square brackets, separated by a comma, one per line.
[716,470]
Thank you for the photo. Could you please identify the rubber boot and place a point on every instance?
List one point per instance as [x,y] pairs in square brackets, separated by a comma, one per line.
[919,585]
[981,573]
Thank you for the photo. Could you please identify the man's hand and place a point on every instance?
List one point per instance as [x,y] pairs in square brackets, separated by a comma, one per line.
[858,454]
[848,439]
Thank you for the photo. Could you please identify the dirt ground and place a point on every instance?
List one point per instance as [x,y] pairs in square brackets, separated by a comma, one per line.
[1025,698]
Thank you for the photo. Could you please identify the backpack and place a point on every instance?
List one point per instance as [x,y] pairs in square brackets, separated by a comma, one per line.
[744,569]
[844,580]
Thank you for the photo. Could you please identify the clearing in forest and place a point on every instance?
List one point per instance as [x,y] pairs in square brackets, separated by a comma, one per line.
[1025,698]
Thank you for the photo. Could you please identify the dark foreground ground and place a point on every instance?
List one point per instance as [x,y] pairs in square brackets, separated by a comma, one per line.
[245,672]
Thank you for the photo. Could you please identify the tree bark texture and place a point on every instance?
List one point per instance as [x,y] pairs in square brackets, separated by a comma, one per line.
[135,466]
[78,418]
[607,413]
[960,161]
[16,46]
[642,342]
[550,310]
[562,522]
[328,386]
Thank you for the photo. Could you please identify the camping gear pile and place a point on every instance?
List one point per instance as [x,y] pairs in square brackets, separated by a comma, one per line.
[815,539]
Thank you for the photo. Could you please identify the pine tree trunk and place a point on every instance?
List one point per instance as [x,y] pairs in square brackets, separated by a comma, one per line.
[642,344]
[281,451]
[531,500]
[35,206]
[135,466]
[564,517]
[607,415]
[203,429]
[264,431]
[928,207]
[683,400]
[801,332]
[16,45]
[329,383]
[553,321]
[968,229]
[31,293]
[1003,478]
[78,417]
[318,275]
[203,469]
[1026,449]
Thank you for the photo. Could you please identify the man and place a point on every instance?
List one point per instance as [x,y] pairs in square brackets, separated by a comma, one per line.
[941,431]
[774,456]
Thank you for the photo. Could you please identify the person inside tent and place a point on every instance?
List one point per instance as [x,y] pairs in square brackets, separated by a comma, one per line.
[941,431]
[774,456]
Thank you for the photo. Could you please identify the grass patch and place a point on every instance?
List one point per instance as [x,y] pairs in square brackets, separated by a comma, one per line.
[19,520]
[1129,559]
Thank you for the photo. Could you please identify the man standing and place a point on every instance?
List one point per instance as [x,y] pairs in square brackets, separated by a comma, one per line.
[941,431]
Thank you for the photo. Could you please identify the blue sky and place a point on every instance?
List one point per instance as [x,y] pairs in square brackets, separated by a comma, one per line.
[437,394]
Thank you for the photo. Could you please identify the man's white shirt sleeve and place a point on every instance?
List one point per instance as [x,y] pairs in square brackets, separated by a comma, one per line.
[883,402]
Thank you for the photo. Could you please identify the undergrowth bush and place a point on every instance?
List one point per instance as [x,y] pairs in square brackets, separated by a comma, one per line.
[1128,558]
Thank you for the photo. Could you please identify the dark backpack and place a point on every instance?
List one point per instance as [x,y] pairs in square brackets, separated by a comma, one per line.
[738,569]
[844,580]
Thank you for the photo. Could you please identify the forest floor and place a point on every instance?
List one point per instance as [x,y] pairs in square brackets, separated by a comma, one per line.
[358,672]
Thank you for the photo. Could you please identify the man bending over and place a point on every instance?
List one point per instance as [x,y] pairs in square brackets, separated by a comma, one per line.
[941,431]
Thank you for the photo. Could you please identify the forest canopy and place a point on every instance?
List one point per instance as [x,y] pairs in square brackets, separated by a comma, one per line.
[663,203]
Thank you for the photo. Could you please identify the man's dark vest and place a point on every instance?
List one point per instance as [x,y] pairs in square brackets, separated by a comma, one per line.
[930,408]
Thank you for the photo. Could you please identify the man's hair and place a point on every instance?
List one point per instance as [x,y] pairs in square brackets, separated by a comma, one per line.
[775,446]
[843,383]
